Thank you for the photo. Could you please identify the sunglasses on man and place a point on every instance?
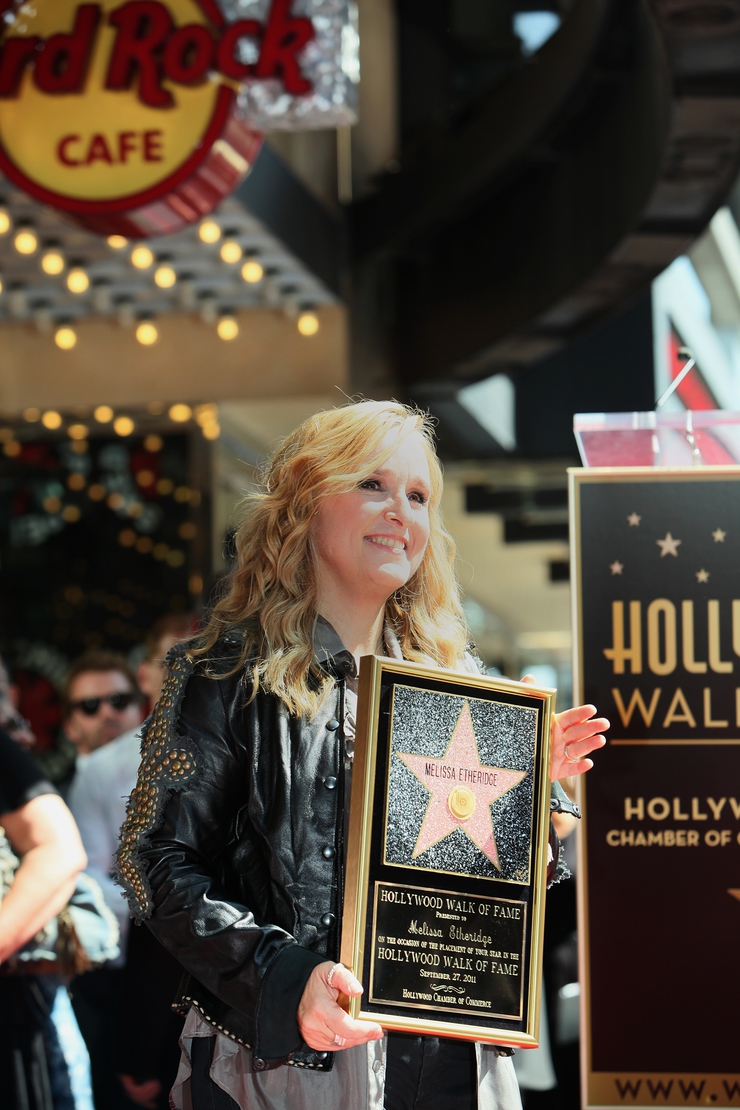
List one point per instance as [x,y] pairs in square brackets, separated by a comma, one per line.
[90,706]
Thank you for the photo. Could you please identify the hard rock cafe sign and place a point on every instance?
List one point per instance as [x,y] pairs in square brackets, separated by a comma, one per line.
[139,117]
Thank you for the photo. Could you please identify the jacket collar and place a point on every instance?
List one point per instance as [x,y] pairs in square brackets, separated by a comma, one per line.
[332,655]
[330,652]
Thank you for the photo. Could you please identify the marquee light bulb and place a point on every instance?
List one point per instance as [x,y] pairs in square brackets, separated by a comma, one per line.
[77,431]
[205,413]
[65,338]
[78,281]
[146,333]
[117,242]
[123,425]
[227,328]
[26,241]
[5,221]
[141,258]
[165,277]
[231,251]
[52,263]
[180,413]
[308,323]
[252,272]
[209,231]
[51,420]
[103,414]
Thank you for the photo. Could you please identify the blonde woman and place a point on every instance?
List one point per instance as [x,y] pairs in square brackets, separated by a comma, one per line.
[233,847]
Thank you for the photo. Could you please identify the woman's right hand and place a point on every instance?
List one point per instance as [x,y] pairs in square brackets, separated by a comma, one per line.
[323,1023]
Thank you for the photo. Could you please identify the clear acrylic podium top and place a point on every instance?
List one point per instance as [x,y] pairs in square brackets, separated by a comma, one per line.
[707,438]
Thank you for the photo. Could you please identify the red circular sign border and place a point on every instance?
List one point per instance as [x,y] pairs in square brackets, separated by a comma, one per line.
[121,205]
[220,115]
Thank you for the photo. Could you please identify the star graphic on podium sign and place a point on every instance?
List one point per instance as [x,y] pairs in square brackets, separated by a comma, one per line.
[702,575]
[462,790]
[719,536]
[668,546]
[616,567]
[634,520]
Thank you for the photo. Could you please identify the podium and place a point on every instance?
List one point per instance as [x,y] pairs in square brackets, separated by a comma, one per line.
[655,571]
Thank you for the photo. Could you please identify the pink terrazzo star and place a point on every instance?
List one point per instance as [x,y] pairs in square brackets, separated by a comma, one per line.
[459,780]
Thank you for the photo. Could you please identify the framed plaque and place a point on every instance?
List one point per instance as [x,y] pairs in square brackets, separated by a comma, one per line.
[448,850]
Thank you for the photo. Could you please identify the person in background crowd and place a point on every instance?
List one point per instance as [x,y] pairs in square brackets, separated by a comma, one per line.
[11,720]
[104,779]
[100,702]
[98,799]
[42,833]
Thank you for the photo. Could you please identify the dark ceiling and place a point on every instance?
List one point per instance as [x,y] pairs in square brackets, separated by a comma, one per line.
[537,197]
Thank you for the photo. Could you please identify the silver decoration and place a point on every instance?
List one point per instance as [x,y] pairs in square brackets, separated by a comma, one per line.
[423,722]
[331,62]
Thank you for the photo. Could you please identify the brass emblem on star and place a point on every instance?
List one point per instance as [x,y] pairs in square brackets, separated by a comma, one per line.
[461,802]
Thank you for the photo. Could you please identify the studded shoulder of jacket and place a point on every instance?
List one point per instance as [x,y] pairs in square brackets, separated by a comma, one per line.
[168,761]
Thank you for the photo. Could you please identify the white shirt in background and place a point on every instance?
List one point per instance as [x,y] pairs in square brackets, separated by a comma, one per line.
[97,798]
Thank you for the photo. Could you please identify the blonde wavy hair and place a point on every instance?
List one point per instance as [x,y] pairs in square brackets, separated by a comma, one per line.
[272,591]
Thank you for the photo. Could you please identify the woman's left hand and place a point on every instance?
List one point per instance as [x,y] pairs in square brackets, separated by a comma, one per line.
[575,733]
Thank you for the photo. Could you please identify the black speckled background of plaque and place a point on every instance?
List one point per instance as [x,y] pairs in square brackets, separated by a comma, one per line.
[423,722]
[439,951]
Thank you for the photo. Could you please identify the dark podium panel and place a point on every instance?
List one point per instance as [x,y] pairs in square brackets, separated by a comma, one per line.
[657,591]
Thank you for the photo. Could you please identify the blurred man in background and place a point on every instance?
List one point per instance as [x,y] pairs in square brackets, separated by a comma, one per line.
[98,798]
[104,780]
[100,701]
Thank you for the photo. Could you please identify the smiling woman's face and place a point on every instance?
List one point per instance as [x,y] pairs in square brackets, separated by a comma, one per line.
[370,541]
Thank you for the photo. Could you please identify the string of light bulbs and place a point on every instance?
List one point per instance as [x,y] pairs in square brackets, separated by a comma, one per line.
[54,263]
[123,424]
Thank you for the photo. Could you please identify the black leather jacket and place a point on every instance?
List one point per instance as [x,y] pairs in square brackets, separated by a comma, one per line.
[232,847]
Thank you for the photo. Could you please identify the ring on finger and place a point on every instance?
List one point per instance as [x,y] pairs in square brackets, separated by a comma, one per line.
[339,1041]
[569,757]
[330,976]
